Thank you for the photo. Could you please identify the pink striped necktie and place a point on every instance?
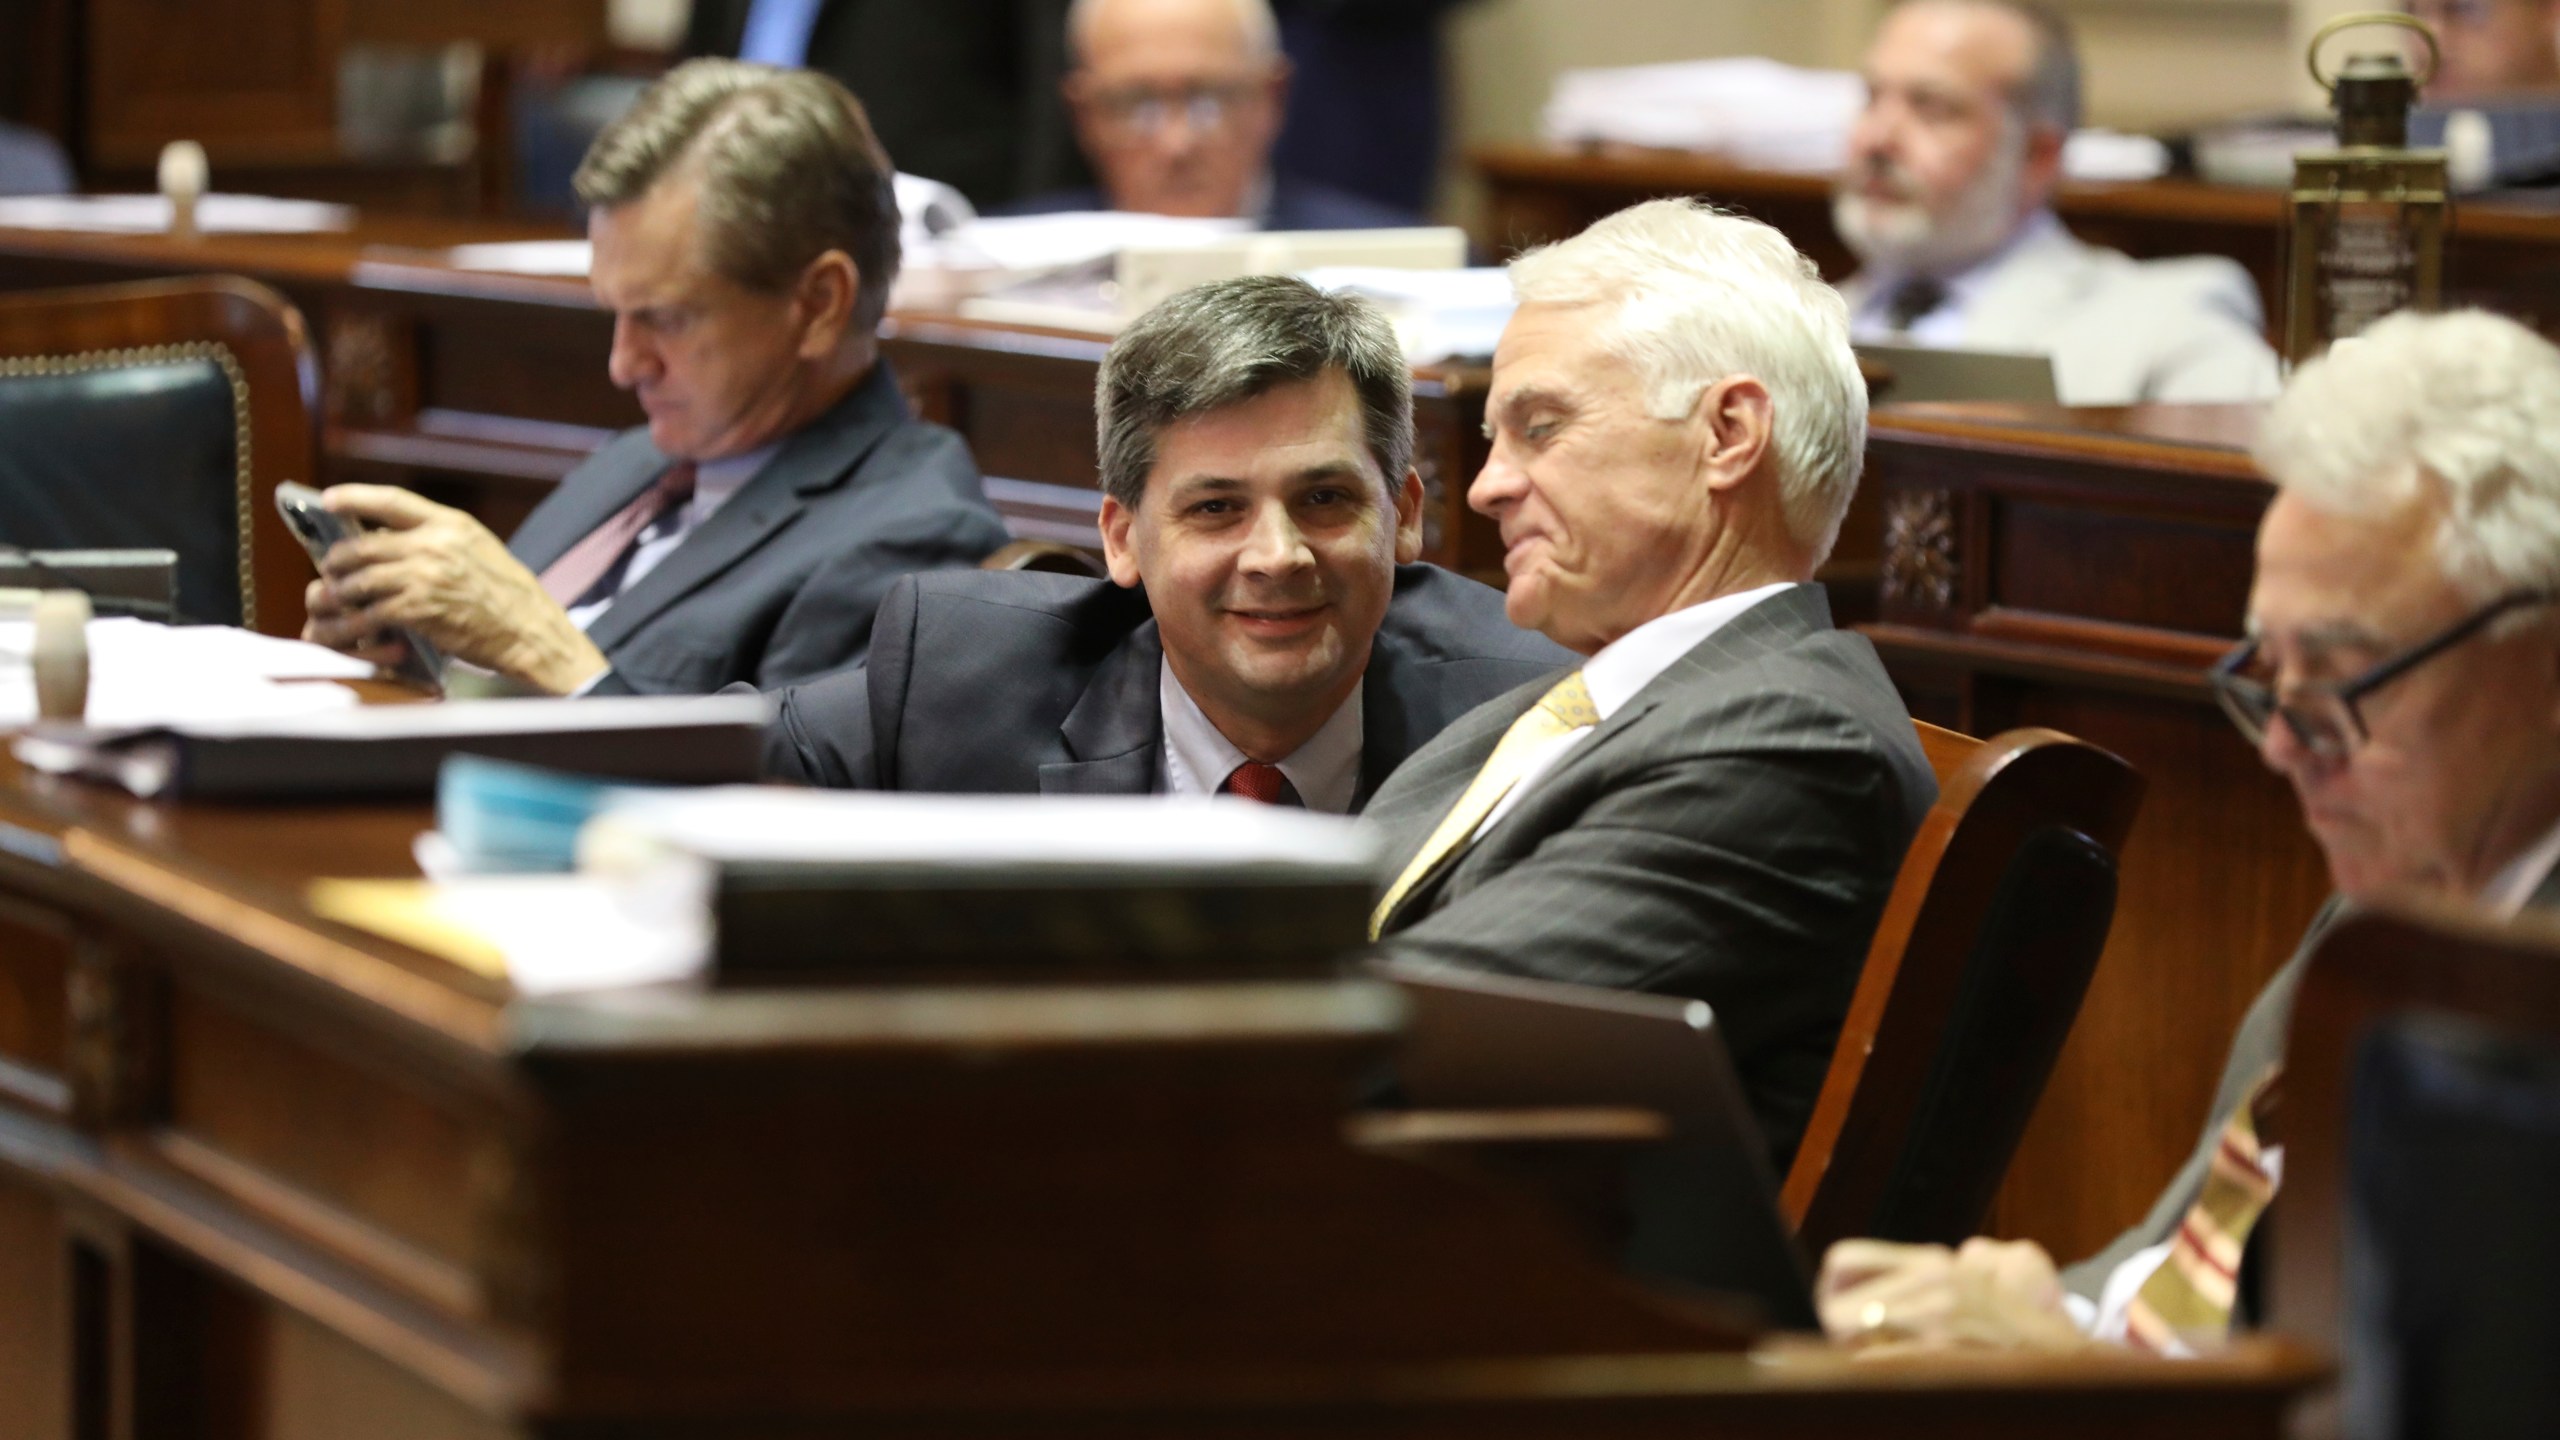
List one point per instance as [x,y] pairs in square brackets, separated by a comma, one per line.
[568,579]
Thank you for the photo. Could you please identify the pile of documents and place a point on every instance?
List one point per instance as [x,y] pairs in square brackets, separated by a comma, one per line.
[1438,314]
[1768,116]
[151,214]
[144,673]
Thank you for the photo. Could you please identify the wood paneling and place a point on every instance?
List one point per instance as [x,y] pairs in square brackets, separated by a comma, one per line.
[2081,569]
[35,1314]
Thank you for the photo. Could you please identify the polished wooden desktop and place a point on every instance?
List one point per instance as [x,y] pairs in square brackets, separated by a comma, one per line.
[263,1175]
[2082,569]
[2504,252]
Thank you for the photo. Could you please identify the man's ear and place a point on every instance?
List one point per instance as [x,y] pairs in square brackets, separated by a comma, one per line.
[2040,169]
[827,295]
[1734,419]
[1117,553]
[1409,518]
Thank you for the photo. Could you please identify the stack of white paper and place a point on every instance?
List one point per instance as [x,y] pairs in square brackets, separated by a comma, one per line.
[982,254]
[525,257]
[1438,314]
[150,214]
[1756,112]
[143,673]
[763,824]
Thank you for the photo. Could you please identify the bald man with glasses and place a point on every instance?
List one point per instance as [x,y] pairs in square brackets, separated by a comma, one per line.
[1178,103]
[2403,672]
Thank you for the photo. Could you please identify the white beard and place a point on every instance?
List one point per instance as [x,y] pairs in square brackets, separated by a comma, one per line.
[1903,237]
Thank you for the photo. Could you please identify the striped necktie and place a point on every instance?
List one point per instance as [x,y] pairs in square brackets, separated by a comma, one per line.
[1256,781]
[2187,1302]
[1559,712]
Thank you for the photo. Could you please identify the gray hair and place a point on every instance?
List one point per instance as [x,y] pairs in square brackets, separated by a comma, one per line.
[1261,28]
[2048,95]
[788,164]
[2467,402]
[1217,344]
[1701,295]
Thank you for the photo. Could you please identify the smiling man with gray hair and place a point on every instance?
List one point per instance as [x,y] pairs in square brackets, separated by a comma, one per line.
[2403,671]
[1946,195]
[1715,805]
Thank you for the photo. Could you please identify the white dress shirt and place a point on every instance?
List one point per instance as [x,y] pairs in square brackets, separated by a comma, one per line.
[1625,666]
[1943,327]
[2505,898]
[714,481]
[1325,771]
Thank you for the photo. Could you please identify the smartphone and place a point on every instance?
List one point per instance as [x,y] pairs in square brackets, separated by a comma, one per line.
[318,528]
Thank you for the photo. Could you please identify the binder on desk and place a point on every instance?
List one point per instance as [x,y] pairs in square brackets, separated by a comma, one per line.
[394,750]
[853,888]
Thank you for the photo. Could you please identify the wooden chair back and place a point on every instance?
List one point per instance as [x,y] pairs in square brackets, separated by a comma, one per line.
[258,343]
[1971,985]
[1052,556]
[2453,1309]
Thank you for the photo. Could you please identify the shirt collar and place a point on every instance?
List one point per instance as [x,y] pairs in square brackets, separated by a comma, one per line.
[2514,887]
[1198,758]
[1630,662]
[1962,286]
[714,481]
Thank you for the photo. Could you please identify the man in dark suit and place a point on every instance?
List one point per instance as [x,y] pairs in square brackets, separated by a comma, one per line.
[2404,674]
[745,238]
[1178,104]
[1716,804]
[1258,634]
[961,91]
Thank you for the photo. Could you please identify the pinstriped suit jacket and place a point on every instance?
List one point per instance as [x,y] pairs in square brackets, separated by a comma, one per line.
[1729,835]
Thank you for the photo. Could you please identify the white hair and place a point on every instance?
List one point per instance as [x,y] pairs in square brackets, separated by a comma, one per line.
[1261,28]
[1702,295]
[2467,402]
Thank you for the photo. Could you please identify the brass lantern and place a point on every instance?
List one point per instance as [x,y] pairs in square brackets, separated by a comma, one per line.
[2369,217]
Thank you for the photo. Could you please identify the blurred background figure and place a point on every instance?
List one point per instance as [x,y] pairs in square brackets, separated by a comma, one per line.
[1945,197]
[1178,104]
[31,164]
[2492,49]
[1369,93]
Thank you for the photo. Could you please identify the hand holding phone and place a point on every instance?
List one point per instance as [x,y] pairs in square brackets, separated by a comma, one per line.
[318,528]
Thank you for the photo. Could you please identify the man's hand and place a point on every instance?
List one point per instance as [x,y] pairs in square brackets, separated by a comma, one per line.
[1889,1298]
[441,573]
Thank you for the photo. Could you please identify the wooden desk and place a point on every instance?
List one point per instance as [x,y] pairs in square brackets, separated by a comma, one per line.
[482,390]
[2082,569]
[2505,255]
[262,1176]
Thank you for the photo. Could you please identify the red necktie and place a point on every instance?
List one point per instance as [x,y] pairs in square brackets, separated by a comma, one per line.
[1257,781]
[568,579]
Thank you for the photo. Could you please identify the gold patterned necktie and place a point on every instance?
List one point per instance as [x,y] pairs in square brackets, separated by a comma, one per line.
[1559,712]
[2187,1301]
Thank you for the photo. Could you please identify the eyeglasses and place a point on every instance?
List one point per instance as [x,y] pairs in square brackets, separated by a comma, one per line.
[2326,718]
[1204,107]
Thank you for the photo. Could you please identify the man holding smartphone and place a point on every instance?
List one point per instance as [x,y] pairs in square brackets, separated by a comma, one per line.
[745,236]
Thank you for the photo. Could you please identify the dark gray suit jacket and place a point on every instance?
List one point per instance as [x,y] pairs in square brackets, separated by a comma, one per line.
[781,583]
[1014,682]
[2258,1044]
[1730,835]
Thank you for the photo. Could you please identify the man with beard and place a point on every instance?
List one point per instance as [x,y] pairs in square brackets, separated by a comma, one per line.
[1945,195]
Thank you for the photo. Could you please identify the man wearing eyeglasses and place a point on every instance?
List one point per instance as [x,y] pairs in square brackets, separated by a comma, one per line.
[2403,672]
[1177,103]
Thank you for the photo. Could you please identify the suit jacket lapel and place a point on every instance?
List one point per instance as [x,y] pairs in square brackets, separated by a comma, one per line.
[1773,623]
[1116,726]
[818,458]
[628,467]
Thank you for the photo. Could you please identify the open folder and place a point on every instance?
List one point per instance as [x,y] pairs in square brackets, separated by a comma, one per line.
[394,750]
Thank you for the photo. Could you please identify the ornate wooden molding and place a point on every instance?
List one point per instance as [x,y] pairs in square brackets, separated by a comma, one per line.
[1921,567]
